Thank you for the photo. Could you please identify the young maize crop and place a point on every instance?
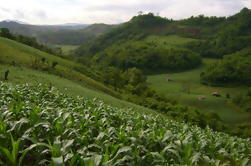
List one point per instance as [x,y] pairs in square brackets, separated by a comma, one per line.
[40,126]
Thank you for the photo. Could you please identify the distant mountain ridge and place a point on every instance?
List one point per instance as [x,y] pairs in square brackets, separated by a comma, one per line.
[66,34]
[17,21]
[62,26]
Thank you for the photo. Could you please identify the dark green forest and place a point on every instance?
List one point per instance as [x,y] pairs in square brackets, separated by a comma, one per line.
[148,57]
[233,69]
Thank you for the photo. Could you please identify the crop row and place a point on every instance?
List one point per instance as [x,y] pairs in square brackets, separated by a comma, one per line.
[41,126]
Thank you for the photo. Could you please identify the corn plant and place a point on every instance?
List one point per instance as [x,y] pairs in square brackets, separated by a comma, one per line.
[41,126]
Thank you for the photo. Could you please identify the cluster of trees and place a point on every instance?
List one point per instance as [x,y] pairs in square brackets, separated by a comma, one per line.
[225,43]
[244,100]
[149,20]
[232,35]
[148,57]
[30,41]
[202,20]
[232,69]
[43,64]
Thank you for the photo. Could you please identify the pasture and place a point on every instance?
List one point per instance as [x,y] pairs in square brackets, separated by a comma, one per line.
[186,88]
[67,49]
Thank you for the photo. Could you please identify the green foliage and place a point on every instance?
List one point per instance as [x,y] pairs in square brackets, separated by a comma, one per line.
[244,100]
[136,29]
[4,32]
[233,34]
[202,20]
[148,57]
[61,130]
[54,64]
[233,69]
[149,20]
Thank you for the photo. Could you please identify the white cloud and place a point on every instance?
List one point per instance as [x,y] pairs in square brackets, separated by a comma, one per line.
[112,11]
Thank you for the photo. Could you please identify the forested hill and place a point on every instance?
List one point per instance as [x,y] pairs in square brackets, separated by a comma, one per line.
[231,35]
[136,29]
[139,27]
[128,45]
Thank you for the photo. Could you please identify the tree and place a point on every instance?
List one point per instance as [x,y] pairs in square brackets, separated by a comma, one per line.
[54,64]
[135,76]
[6,33]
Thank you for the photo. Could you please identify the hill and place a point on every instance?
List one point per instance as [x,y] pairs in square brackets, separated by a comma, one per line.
[68,34]
[230,36]
[73,37]
[17,54]
[218,35]
[129,45]
[22,75]
[133,29]
[40,125]
[47,126]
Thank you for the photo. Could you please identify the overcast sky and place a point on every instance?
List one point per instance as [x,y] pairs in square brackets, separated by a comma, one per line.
[111,11]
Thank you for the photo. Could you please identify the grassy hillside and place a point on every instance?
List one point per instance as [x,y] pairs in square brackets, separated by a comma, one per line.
[14,53]
[22,75]
[186,88]
[41,125]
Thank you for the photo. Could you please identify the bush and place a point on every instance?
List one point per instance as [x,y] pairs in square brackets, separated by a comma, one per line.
[54,64]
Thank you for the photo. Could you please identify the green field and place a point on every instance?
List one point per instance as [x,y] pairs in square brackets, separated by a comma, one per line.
[42,126]
[67,48]
[186,88]
[169,41]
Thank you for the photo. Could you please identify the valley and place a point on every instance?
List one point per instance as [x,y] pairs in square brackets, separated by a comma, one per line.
[149,91]
[187,89]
